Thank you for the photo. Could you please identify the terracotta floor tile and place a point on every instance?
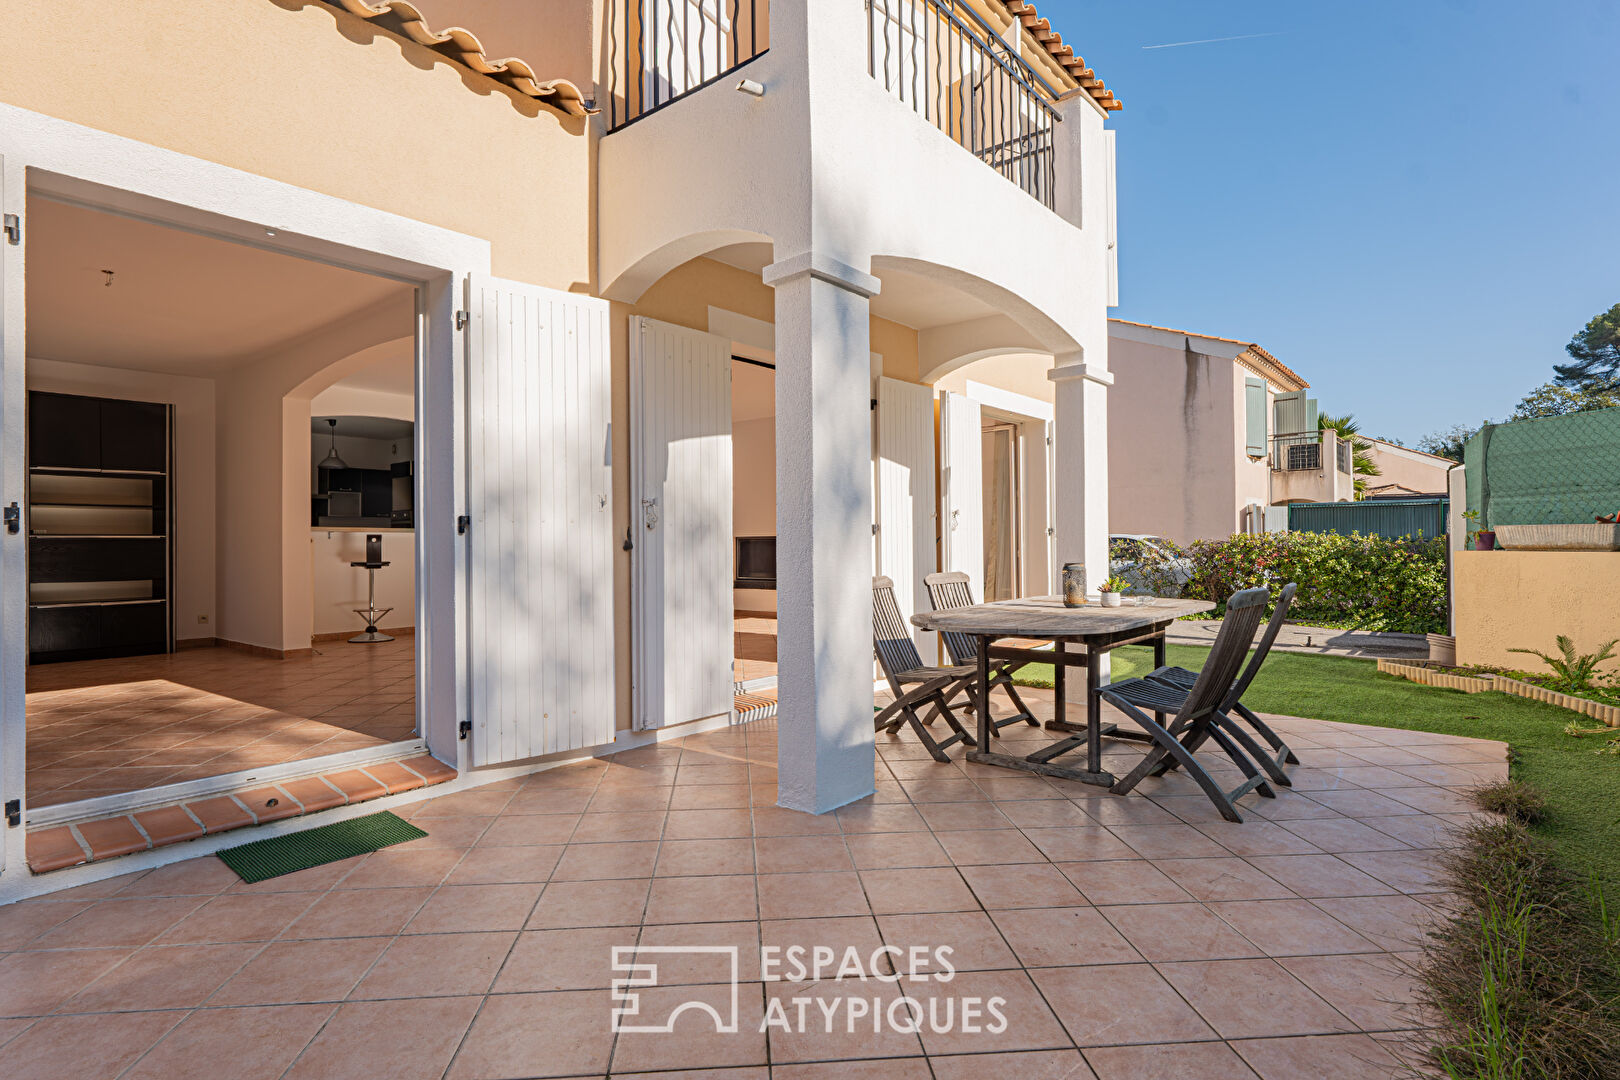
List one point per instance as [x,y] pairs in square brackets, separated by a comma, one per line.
[1123,881]
[984,847]
[869,817]
[1176,841]
[824,1033]
[558,1034]
[1060,937]
[505,864]
[1291,928]
[1080,845]
[695,953]
[873,851]
[163,977]
[695,1043]
[1026,1065]
[1321,1057]
[621,827]
[83,1046]
[1375,992]
[116,921]
[1119,1004]
[268,803]
[1390,922]
[958,816]
[707,824]
[1413,871]
[1336,835]
[54,849]
[235,917]
[598,862]
[1204,1060]
[565,904]
[300,972]
[168,825]
[1021,885]
[778,821]
[1172,932]
[974,940]
[905,892]
[204,876]
[27,919]
[705,858]
[232,1044]
[1253,998]
[1222,879]
[462,908]
[1257,837]
[401,1040]
[356,785]
[313,794]
[34,983]
[802,854]
[111,837]
[398,867]
[436,965]
[1319,875]
[702,899]
[545,960]
[349,914]
[800,896]
[908,1068]
[519,830]
[394,777]
[1045,814]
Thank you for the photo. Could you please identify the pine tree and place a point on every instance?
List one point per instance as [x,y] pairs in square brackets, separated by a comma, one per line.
[1595,355]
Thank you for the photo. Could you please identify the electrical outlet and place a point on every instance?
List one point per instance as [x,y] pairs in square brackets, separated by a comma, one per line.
[202,618]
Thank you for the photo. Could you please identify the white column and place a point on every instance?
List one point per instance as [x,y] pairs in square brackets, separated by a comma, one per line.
[823,532]
[1080,484]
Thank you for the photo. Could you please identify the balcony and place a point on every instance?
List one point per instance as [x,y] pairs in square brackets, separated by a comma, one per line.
[659,51]
[955,71]
[1304,451]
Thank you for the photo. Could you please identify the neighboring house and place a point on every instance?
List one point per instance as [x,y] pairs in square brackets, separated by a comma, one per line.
[660,286]
[1404,472]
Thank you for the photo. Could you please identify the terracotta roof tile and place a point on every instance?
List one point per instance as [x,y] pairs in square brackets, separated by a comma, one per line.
[463,47]
[1052,41]
[1262,363]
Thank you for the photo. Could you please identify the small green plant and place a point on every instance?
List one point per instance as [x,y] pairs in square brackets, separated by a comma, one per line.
[1114,584]
[1574,670]
[1472,517]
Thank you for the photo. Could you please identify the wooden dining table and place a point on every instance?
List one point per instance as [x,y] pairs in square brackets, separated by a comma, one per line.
[1097,630]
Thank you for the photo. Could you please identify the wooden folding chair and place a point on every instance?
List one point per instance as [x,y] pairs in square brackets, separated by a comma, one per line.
[1196,711]
[1233,708]
[953,589]
[903,667]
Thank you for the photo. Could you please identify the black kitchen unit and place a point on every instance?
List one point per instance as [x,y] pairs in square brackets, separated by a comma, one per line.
[100,527]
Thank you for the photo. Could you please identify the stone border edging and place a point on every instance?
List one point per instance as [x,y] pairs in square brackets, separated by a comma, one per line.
[1476,684]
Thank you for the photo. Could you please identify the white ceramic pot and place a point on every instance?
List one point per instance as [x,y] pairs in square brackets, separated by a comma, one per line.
[1110,599]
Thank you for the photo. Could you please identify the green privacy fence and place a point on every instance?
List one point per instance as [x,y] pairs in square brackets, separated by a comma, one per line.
[1558,471]
[1388,518]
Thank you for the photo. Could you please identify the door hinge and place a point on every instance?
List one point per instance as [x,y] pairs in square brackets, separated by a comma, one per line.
[462,319]
[13,229]
[463,523]
[13,812]
[465,728]
[13,519]
[629,542]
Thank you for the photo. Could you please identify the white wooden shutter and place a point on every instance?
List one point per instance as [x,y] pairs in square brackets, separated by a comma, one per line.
[905,496]
[13,546]
[540,539]
[681,485]
[961,479]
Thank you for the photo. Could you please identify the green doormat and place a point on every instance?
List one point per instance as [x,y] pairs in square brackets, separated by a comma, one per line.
[265,859]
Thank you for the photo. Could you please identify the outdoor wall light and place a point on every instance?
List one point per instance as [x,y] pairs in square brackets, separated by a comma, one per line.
[749,86]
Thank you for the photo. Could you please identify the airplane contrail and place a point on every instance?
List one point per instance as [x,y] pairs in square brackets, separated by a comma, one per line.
[1212,41]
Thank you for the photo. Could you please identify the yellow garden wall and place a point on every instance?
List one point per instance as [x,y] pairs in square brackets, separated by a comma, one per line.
[1525,599]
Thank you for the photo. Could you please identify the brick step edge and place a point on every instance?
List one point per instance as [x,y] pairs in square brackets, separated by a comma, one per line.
[1472,684]
[61,846]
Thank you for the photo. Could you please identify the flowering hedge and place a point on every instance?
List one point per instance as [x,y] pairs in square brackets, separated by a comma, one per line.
[1368,582]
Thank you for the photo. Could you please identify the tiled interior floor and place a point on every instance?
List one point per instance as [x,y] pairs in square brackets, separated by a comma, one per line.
[97,727]
[1131,937]
[754,646]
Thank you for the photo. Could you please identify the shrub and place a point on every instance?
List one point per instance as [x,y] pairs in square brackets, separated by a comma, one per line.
[1513,799]
[1367,582]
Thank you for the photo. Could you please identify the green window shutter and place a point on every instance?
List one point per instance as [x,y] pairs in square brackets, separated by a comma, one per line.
[1291,413]
[1254,408]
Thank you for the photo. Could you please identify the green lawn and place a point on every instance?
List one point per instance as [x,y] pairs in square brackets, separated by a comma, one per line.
[1582,788]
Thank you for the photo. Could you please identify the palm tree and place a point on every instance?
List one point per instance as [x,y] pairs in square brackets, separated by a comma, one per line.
[1362,464]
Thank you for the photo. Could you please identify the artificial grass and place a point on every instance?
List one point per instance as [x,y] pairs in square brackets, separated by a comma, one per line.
[1582,788]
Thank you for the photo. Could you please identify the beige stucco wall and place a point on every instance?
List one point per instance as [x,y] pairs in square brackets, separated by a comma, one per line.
[1174,447]
[1409,468]
[304,93]
[1525,599]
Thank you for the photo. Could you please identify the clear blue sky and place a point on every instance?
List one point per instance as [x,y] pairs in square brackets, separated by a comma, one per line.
[1414,204]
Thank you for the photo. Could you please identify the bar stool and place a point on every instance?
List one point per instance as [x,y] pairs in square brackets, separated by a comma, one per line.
[371,613]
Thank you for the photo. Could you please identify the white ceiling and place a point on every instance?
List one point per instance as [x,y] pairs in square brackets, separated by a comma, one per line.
[905,298]
[178,302]
[753,392]
[364,427]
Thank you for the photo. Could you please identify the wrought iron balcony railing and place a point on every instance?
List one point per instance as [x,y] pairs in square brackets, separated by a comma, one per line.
[661,50]
[1302,452]
[944,60]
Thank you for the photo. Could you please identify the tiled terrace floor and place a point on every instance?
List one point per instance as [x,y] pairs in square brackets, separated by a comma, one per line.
[1135,937]
[98,727]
